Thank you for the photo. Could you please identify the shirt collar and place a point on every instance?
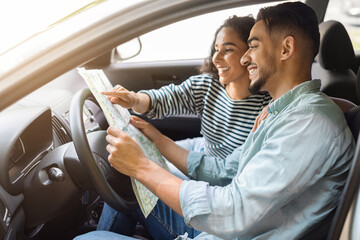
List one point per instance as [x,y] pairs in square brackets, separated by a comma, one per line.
[275,106]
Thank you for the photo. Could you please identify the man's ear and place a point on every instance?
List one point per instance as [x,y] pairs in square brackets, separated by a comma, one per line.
[288,47]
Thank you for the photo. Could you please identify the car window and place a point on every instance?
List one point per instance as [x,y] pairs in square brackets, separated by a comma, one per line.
[348,13]
[187,39]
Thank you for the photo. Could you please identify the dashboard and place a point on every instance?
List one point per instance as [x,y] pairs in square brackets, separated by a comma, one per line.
[35,134]
[36,143]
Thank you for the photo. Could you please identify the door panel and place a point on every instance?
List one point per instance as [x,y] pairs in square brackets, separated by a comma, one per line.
[149,75]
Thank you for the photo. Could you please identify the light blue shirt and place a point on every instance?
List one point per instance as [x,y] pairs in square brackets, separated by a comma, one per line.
[285,178]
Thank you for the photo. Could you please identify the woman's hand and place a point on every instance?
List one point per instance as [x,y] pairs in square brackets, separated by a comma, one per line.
[139,102]
[167,147]
[261,117]
[123,97]
[149,130]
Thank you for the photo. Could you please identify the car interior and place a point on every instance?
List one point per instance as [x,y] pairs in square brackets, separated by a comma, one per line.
[335,63]
[47,191]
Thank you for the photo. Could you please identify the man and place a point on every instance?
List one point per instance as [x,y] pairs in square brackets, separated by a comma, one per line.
[286,177]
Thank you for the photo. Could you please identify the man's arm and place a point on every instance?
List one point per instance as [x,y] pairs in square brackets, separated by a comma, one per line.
[127,157]
[214,170]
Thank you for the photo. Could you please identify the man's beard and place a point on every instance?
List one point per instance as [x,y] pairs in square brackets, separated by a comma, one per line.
[264,75]
[256,86]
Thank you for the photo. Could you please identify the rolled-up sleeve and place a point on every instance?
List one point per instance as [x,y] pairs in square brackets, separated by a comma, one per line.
[193,199]
[214,170]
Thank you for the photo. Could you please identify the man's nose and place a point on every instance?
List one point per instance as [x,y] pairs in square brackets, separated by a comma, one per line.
[245,59]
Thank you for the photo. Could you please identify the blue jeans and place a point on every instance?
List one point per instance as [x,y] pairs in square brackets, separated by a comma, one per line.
[162,223]
[103,235]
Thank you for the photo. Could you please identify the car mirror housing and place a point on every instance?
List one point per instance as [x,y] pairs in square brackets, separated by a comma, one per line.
[127,50]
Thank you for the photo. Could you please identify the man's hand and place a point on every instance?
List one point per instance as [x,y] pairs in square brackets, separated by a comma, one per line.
[126,155]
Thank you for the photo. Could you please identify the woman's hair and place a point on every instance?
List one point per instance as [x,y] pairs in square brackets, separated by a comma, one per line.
[242,26]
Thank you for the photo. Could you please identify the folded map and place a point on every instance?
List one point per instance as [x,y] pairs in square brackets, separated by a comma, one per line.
[120,117]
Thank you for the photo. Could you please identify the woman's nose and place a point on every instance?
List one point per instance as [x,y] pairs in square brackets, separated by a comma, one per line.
[216,57]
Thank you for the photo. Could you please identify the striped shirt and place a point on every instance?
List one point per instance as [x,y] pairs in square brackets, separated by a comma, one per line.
[225,123]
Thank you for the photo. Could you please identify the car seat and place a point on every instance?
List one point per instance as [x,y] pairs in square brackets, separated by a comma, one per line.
[331,227]
[335,61]
[353,180]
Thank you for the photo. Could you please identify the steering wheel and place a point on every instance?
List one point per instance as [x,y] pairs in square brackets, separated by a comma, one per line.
[114,187]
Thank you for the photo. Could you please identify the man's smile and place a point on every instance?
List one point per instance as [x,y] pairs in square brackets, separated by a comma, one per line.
[252,69]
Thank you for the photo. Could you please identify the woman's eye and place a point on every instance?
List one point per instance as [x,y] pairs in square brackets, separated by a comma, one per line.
[229,50]
[252,46]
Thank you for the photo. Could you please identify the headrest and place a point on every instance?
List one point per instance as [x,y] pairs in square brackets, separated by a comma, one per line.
[336,51]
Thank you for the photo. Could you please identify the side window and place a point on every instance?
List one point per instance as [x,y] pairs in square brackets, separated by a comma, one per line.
[348,13]
[187,39]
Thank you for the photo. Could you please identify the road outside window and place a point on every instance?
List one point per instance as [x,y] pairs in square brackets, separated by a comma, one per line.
[348,13]
[188,39]
[191,38]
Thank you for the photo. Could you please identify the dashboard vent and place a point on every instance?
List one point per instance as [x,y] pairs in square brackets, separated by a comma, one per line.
[2,209]
[60,130]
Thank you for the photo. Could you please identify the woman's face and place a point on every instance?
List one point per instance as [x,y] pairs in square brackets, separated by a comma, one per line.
[229,49]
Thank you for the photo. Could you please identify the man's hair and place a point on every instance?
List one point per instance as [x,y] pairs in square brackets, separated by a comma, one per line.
[242,26]
[293,18]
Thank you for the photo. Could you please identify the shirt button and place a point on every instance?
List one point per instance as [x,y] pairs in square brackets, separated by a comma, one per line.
[276,112]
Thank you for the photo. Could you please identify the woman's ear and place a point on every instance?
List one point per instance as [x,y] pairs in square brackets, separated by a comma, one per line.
[288,47]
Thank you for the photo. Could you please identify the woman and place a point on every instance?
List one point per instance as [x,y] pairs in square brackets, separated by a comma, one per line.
[220,96]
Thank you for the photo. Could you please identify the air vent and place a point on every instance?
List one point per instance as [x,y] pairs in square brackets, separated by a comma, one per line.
[2,209]
[60,130]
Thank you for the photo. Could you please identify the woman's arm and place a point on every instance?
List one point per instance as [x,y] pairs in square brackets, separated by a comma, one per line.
[167,147]
[139,102]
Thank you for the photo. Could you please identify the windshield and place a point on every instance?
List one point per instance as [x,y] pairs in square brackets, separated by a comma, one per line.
[21,19]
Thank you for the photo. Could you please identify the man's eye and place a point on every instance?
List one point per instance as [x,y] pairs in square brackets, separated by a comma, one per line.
[252,46]
[229,50]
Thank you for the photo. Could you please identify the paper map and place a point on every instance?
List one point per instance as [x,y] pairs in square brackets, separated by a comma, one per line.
[120,117]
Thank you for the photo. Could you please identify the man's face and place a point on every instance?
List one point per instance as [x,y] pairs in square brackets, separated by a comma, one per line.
[260,58]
